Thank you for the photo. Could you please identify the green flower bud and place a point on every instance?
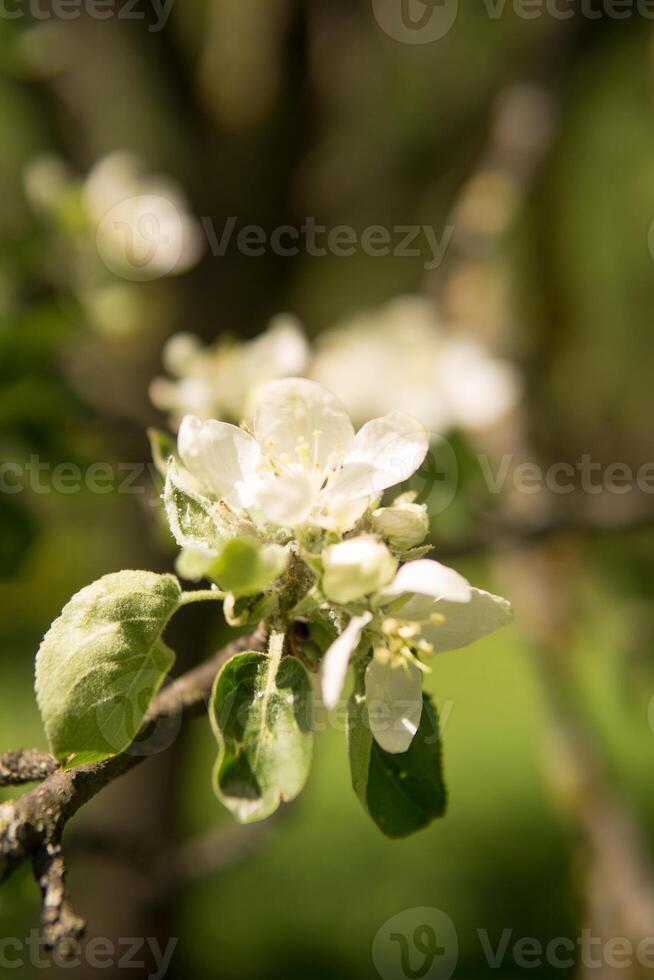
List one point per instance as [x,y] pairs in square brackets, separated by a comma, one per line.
[356,567]
[404,525]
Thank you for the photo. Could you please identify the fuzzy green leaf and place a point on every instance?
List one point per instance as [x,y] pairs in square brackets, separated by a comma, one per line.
[102,662]
[196,523]
[263,726]
[402,793]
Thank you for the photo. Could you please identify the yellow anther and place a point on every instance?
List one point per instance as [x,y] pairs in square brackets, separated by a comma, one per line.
[382,654]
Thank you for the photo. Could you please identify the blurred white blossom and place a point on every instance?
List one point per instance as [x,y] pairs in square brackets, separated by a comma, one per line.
[109,232]
[221,381]
[400,357]
[144,227]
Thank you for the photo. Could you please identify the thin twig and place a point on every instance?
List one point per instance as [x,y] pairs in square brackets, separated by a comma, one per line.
[24,766]
[61,928]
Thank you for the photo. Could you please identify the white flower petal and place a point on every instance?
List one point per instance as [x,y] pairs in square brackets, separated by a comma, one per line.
[180,353]
[478,388]
[296,413]
[339,515]
[383,360]
[189,395]
[394,702]
[427,578]
[385,452]
[465,623]
[337,659]
[283,350]
[224,459]
[285,500]
[110,180]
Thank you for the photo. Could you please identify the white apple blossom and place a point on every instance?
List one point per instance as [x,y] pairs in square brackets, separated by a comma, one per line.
[302,464]
[414,365]
[144,228]
[141,224]
[427,608]
[221,380]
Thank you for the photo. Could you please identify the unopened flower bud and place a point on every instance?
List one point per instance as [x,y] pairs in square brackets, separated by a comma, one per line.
[404,525]
[356,567]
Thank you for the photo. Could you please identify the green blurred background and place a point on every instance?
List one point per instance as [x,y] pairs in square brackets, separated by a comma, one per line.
[271,112]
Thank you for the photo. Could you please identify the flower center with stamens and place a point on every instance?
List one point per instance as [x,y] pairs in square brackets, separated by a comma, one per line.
[402,642]
[305,461]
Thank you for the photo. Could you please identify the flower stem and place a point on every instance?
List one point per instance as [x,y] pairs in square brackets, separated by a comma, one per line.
[275,649]
[201,595]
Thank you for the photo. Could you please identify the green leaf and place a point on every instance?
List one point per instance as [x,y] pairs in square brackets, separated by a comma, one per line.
[245,566]
[196,523]
[102,662]
[402,793]
[261,714]
[162,447]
